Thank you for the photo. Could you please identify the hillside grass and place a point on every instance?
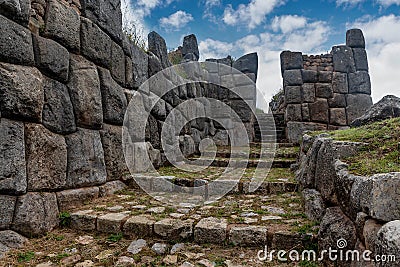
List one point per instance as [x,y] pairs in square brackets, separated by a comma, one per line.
[381,155]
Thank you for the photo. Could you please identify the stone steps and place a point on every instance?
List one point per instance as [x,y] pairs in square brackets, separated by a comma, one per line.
[247,221]
[223,162]
[171,184]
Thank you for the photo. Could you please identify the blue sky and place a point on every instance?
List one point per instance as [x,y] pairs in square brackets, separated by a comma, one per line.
[271,26]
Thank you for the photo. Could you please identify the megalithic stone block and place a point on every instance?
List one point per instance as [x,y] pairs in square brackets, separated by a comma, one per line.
[355,38]
[291,60]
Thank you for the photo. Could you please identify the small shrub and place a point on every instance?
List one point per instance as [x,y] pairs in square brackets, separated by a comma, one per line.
[65,219]
[115,238]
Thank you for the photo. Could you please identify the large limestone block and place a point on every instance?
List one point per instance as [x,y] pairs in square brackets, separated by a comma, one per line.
[292,77]
[86,165]
[334,227]
[21,92]
[15,42]
[46,157]
[7,204]
[141,66]
[12,157]
[118,63]
[293,94]
[211,230]
[190,46]
[340,83]
[111,137]
[63,24]
[51,58]
[58,112]
[361,59]
[36,214]
[84,89]
[355,38]
[113,98]
[337,116]
[319,110]
[174,229]
[158,47]
[17,10]
[107,15]
[73,198]
[359,83]
[248,235]
[357,105]
[314,205]
[247,64]
[343,59]
[96,45]
[389,243]
[291,60]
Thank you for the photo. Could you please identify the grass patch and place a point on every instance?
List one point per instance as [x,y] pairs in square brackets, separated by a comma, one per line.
[26,257]
[65,219]
[381,155]
[114,238]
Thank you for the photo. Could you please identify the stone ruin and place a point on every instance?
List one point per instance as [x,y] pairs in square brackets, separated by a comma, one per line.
[67,75]
[325,92]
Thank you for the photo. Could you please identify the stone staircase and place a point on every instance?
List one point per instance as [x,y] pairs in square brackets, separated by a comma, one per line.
[263,122]
[170,230]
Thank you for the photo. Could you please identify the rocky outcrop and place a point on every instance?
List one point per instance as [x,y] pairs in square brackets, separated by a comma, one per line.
[388,107]
[354,208]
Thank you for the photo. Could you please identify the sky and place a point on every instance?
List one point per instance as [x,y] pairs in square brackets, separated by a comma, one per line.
[269,27]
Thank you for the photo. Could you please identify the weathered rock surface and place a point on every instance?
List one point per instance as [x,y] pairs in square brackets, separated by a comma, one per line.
[21,92]
[86,165]
[114,100]
[211,230]
[46,157]
[12,148]
[106,14]
[247,64]
[389,241]
[7,212]
[388,107]
[75,197]
[248,235]
[52,58]
[313,204]
[36,214]
[190,46]
[63,25]
[58,112]
[139,226]
[84,89]
[174,229]
[96,45]
[15,48]
[336,226]
[158,47]
[12,239]
[16,10]
[141,66]
[111,137]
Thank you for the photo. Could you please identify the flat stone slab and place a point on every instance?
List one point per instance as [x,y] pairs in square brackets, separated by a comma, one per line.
[111,223]
[140,226]
[248,235]
[210,230]
[174,229]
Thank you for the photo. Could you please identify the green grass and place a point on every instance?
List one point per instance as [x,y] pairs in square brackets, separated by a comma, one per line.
[114,238]
[381,155]
[65,219]
[26,257]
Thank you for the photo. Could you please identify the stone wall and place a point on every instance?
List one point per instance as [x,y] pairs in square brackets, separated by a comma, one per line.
[326,91]
[364,211]
[67,76]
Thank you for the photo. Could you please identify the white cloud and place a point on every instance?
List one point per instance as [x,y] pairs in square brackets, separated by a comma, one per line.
[348,3]
[210,48]
[387,3]
[352,3]
[176,21]
[308,38]
[252,14]
[208,9]
[288,23]
[383,46]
